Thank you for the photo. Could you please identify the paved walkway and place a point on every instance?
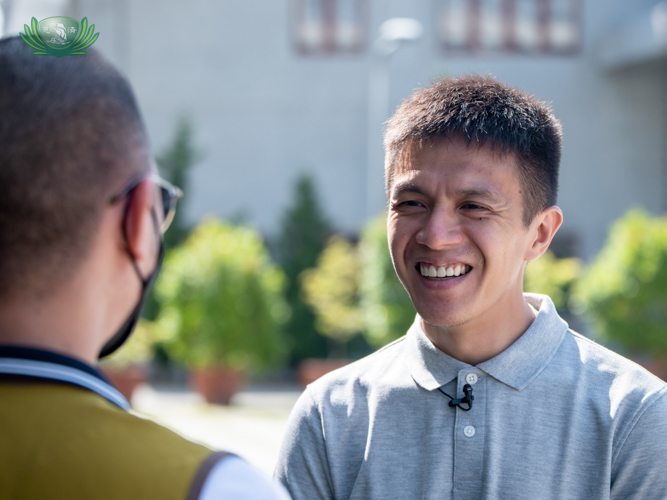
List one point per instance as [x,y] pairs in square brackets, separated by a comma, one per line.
[252,426]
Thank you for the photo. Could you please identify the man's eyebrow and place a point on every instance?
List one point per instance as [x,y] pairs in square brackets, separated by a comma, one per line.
[482,193]
[479,192]
[406,187]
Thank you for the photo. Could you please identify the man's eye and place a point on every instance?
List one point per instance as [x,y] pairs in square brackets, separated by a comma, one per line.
[408,204]
[473,206]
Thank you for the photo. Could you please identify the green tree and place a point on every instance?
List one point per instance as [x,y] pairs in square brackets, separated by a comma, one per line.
[175,164]
[387,308]
[222,300]
[354,289]
[624,291]
[332,289]
[304,231]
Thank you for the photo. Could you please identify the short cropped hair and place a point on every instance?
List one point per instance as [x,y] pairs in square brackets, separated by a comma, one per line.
[481,109]
[70,131]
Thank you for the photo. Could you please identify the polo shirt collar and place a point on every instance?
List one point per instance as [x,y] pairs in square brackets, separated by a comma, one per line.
[47,365]
[516,366]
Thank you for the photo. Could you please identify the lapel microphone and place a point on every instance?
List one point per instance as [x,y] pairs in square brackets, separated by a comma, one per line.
[467,399]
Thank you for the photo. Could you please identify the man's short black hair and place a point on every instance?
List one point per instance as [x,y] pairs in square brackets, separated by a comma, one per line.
[481,109]
[70,130]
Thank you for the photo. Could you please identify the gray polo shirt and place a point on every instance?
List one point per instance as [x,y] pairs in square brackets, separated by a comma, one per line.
[555,416]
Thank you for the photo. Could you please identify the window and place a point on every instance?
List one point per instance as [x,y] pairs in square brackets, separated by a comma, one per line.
[328,27]
[511,26]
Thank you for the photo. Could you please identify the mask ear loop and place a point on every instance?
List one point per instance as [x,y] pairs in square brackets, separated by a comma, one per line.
[126,329]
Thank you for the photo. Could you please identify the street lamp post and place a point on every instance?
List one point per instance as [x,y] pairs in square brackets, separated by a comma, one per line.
[394,33]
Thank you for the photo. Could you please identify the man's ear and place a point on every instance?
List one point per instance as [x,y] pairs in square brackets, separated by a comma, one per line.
[139,224]
[543,229]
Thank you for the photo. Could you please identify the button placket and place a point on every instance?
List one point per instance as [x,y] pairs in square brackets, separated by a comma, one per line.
[469,437]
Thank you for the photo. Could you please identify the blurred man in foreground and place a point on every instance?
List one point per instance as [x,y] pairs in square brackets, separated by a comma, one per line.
[489,395]
[82,212]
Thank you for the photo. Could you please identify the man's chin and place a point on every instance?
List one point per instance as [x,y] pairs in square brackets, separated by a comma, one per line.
[442,321]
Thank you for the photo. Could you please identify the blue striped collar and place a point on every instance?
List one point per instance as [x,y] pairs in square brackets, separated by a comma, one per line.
[37,363]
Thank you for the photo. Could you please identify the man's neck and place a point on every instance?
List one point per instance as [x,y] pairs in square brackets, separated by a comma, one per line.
[483,338]
[52,323]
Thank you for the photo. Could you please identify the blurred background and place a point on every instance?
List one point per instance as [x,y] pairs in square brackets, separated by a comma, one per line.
[270,113]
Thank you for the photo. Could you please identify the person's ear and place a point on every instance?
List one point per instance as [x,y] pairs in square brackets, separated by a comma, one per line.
[542,230]
[140,230]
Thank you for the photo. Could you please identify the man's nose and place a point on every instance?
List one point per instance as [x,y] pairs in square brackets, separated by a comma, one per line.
[442,229]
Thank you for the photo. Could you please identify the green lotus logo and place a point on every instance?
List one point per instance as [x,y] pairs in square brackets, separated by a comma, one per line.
[59,36]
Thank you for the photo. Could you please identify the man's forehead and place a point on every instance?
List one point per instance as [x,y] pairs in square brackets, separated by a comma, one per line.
[441,156]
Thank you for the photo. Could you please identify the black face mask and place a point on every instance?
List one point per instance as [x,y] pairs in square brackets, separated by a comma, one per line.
[124,332]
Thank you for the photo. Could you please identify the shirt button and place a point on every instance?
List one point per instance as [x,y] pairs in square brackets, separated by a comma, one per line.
[471,378]
[469,431]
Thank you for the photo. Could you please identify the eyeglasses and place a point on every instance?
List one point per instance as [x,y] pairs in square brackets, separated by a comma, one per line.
[169,194]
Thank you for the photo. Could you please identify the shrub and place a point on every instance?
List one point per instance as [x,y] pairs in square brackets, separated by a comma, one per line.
[387,309]
[624,291]
[332,290]
[222,299]
[354,289]
[552,276]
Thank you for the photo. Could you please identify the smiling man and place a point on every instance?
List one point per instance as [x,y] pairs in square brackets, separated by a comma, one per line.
[490,394]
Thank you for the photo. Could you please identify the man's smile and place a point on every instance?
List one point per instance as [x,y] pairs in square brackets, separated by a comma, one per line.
[433,271]
[441,277]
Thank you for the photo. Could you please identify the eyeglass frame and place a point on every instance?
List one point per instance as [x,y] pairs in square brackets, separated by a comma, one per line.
[174,194]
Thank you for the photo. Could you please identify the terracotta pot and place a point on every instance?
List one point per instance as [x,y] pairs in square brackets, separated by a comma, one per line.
[217,384]
[311,369]
[126,379]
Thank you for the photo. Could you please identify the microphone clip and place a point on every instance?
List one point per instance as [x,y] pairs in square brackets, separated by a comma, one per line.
[467,399]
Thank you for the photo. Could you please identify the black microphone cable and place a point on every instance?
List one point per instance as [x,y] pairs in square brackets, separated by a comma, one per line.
[467,399]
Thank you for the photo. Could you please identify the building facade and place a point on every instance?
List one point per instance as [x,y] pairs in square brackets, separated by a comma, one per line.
[278,87]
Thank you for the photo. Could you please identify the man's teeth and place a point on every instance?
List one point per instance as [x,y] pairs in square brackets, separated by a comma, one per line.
[444,272]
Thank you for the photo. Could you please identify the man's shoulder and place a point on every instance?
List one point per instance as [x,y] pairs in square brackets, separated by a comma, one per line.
[61,432]
[621,378]
[84,418]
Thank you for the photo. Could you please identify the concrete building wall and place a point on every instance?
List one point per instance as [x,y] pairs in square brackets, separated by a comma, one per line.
[263,113]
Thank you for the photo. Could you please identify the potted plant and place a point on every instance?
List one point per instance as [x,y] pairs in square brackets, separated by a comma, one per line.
[624,291]
[332,289]
[222,307]
[127,368]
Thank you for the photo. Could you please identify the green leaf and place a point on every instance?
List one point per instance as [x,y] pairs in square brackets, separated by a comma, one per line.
[34,38]
[82,30]
[88,36]
[88,44]
[29,42]
[35,27]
